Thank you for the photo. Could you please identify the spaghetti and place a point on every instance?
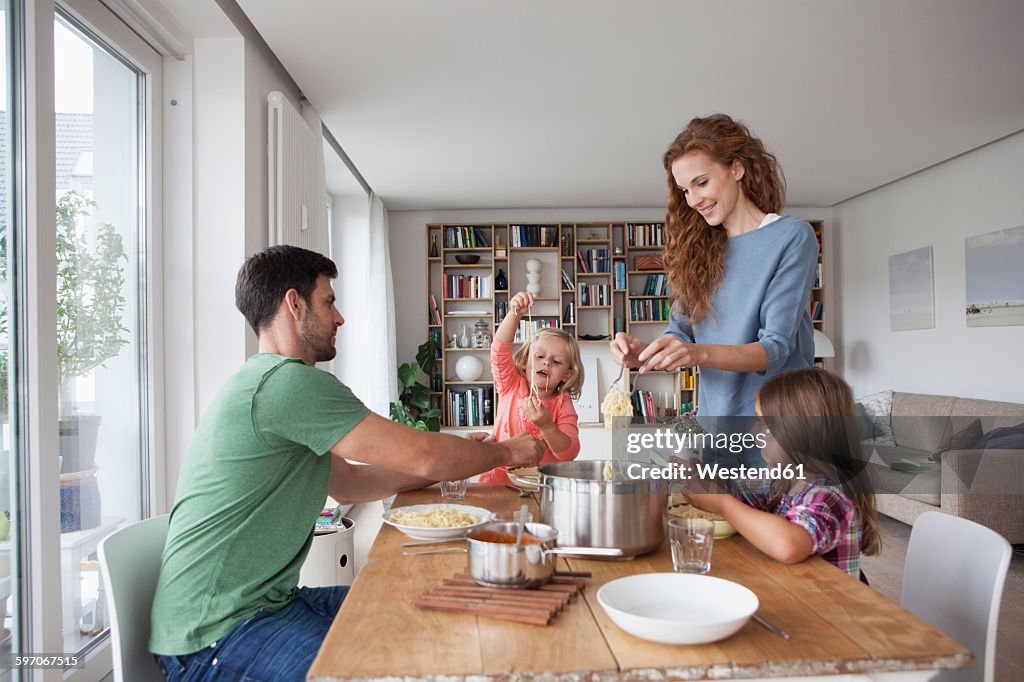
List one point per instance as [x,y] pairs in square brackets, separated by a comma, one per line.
[439,516]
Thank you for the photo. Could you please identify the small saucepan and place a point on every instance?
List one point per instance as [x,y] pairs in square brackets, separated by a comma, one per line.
[495,560]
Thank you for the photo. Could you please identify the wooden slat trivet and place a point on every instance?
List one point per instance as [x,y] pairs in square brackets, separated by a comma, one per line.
[537,606]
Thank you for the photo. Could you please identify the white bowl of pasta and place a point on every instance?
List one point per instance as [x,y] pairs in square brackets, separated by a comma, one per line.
[723,528]
[436,521]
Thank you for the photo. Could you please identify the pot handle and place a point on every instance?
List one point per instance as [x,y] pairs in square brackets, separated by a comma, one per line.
[586,551]
[434,551]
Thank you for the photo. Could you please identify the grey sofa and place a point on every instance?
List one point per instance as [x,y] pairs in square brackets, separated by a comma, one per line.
[985,486]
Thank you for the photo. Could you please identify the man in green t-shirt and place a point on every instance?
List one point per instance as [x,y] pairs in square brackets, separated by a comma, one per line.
[272,445]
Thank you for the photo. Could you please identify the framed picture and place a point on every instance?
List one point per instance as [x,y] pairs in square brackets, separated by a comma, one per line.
[911,290]
[995,278]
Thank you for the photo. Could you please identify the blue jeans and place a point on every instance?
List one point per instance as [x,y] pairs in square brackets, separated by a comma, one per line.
[268,647]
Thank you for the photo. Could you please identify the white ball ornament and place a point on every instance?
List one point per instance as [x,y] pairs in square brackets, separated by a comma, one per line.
[533,265]
[469,368]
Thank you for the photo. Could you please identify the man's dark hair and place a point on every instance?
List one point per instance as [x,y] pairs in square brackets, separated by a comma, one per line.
[268,275]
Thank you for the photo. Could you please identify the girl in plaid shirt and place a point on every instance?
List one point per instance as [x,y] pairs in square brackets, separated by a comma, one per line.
[807,417]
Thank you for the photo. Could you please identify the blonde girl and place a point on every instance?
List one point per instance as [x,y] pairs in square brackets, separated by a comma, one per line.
[808,418]
[536,387]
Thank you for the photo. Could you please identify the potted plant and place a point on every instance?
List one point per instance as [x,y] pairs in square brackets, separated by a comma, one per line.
[90,306]
[413,405]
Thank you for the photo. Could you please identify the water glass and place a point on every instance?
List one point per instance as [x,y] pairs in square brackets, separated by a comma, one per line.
[511,516]
[454,490]
[691,541]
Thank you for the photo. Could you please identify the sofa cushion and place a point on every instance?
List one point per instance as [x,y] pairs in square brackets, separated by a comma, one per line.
[993,414]
[1004,438]
[878,407]
[964,439]
[921,421]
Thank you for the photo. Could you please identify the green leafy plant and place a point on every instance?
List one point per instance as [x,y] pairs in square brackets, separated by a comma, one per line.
[90,302]
[413,405]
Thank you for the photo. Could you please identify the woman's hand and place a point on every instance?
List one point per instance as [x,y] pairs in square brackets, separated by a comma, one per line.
[520,303]
[535,411]
[626,349]
[667,352]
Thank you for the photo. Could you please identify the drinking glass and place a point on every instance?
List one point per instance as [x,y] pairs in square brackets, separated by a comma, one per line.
[454,490]
[691,541]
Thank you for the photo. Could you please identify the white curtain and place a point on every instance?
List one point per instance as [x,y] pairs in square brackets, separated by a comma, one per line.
[380,385]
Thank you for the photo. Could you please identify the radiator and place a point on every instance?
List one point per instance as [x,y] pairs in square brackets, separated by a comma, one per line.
[297,188]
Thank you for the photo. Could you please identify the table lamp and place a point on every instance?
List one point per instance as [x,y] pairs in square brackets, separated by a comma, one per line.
[822,346]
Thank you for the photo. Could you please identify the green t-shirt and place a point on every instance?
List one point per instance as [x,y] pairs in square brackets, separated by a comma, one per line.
[253,482]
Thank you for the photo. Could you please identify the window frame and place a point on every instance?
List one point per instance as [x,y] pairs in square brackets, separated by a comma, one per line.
[40,565]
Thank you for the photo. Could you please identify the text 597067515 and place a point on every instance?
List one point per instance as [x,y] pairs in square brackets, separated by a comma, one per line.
[11,661]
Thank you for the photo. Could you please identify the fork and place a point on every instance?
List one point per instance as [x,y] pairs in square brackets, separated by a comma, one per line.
[622,368]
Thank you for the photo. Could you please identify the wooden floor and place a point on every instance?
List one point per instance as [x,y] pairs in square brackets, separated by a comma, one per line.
[885,572]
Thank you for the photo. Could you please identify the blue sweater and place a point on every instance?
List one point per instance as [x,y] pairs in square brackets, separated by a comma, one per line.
[764,297]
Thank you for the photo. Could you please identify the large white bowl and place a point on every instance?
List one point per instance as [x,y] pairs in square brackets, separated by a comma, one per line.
[422,533]
[677,608]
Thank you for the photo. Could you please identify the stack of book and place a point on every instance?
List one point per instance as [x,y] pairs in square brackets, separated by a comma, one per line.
[594,260]
[527,328]
[595,295]
[520,236]
[465,237]
[471,407]
[649,234]
[467,286]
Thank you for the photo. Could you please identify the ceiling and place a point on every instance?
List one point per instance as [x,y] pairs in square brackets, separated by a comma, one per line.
[570,103]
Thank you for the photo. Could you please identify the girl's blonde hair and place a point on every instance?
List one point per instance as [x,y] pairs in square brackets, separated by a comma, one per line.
[574,383]
[811,413]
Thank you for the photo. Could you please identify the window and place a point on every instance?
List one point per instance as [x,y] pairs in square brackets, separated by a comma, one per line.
[101,101]
[9,623]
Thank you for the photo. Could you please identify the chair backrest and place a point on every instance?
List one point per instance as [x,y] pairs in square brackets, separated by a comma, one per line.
[130,563]
[953,578]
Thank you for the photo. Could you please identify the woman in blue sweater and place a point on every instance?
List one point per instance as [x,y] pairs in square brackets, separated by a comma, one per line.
[741,274]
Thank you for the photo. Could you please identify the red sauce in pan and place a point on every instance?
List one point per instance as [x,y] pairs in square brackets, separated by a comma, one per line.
[505,538]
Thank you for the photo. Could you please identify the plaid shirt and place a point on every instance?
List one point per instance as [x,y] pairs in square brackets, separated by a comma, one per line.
[824,511]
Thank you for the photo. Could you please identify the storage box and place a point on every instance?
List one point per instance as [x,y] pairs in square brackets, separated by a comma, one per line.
[651,261]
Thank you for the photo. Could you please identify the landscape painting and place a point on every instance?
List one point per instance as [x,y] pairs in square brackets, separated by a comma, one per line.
[995,278]
[911,290]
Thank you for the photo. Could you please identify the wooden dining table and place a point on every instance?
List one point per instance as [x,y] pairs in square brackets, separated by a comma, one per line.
[838,626]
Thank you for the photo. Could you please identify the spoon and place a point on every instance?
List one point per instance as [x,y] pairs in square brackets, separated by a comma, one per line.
[522,525]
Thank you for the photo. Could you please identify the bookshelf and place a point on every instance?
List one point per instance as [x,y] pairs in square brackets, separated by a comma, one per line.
[818,289]
[588,285]
[611,283]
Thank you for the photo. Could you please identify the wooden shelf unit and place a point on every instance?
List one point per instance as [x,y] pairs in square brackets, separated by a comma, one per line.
[605,241]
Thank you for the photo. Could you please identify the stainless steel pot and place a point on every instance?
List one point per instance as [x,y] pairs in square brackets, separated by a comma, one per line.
[498,564]
[507,565]
[589,511]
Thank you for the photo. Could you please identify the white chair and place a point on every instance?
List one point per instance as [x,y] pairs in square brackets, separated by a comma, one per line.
[953,578]
[130,563]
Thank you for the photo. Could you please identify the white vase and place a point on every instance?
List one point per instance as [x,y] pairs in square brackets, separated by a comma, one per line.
[469,368]
[533,288]
[533,265]
[533,277]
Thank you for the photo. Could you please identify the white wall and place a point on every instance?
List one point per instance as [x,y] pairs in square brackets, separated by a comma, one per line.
[973,194]
[351,239]
[219,223]
[224,178]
